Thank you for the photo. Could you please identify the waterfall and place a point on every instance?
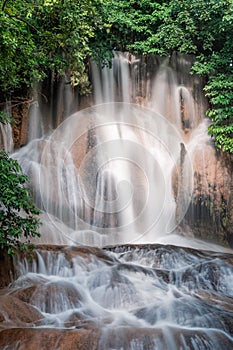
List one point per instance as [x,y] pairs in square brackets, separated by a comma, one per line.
[114,182]
[104,175]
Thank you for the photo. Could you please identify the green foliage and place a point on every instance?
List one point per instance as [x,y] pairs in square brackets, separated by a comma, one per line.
[42,35]
[218,66]
[18,215]
[220,92]
[129,26]
[191,26]
[18,52]
[6,118]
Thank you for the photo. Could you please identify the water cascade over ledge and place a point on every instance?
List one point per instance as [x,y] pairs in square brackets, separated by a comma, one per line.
[115,267]
[119,171]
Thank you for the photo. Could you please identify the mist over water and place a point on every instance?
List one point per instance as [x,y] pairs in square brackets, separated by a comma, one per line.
[104,179]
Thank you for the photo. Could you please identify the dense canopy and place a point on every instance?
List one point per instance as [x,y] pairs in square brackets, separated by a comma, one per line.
[39,36]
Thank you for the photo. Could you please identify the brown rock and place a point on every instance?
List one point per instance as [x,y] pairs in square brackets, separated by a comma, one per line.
[7,270]
[14,312]
[44,339]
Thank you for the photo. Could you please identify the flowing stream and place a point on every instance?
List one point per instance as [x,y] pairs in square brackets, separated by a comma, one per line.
[113,268]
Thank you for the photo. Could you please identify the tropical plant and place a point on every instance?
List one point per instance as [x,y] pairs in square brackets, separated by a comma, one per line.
[19,220]
[43,35]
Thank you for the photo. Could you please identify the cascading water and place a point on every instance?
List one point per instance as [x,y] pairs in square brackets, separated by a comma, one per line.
[129,297]
[104,177]
[114,146]
[6,139]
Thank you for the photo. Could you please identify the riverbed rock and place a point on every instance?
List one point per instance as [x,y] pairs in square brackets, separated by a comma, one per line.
[120,297]
[17,313]
[44,339]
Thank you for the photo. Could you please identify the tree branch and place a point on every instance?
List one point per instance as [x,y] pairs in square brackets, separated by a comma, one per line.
[22,20]
[25,21]
[4,4]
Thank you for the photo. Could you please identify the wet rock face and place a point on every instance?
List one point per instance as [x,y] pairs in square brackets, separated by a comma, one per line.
[6,269]
[20,111]
[125,297]
[210,213]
